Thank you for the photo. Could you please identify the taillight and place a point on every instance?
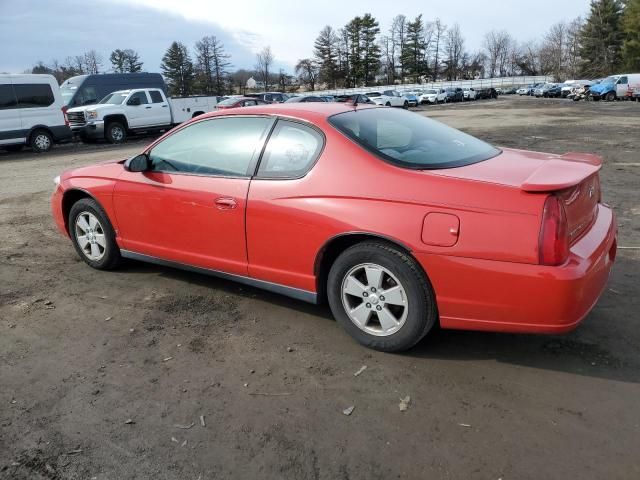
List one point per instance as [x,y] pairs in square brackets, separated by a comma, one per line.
[553,243]
[64,113]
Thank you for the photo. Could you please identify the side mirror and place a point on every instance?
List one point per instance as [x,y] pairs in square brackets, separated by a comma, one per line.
[134,102]
[139,163]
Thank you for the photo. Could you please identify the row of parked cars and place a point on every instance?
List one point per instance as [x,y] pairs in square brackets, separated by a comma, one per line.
[623,86]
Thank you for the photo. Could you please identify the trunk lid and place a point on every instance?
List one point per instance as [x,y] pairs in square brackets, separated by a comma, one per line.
[573,177]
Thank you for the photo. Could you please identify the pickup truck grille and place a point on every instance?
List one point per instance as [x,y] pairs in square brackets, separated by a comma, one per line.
[76,118]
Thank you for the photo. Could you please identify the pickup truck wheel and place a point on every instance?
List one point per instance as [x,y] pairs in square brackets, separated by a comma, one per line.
[611,96]
[41,141]
[115,132]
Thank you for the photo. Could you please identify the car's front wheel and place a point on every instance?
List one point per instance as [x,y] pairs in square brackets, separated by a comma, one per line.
[381,297]
[92,235]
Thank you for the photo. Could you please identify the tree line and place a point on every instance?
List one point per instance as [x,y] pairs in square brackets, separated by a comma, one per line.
[412,50]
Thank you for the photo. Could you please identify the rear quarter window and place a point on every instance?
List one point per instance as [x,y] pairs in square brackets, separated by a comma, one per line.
[33,95]
[7,97]
[410,140]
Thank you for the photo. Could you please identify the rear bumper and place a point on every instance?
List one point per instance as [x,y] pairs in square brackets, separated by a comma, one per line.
[475,294]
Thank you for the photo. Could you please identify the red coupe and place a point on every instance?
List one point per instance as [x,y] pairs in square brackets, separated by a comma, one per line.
[399,221]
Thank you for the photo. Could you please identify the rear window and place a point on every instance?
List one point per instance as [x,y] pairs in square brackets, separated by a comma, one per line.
[33,95]
[156,96]
[7,97]
[410,140]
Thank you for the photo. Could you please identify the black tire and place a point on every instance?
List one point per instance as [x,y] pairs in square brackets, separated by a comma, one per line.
[388,104]
[111,256]
[422,315]
[13,148]
[115,132]
[406,105]
[610,97]
[41,141]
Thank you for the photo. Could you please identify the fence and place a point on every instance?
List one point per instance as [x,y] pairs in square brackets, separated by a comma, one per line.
[501,82]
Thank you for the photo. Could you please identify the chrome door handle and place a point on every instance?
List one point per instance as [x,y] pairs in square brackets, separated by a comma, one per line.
[225,203]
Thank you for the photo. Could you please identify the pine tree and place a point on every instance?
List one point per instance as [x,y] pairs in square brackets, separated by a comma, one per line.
[178,69]
[370,48]
[631,29]
[326,55]
[125,61]
[601,38]
[413,53]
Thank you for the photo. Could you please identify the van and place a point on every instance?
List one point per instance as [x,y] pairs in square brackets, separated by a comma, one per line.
[616,86]
[90,89]
[31,112]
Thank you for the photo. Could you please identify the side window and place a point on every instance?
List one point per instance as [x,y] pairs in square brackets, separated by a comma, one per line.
[33,95]
[156,96]
[139,95]
[224,146]
[268,98]
[623,81]
[249,103]
[7,97]
[291,152]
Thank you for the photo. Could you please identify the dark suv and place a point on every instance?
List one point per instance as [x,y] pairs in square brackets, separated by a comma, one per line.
[454,94]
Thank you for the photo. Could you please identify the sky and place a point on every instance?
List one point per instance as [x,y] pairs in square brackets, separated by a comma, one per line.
[43,30]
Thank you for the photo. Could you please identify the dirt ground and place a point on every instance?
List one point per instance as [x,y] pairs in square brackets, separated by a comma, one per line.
[101,372]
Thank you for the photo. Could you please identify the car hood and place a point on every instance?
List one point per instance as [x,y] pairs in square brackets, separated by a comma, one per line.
[529,171]
[95,107]
[110,169]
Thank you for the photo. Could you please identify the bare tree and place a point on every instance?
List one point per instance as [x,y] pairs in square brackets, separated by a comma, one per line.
[92,62]
[439,30]
[264,61]
[454,46]
[307,71]
[496,44]
[398,36]
[211,65]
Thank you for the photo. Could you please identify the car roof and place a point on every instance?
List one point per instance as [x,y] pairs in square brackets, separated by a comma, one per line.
[309,111]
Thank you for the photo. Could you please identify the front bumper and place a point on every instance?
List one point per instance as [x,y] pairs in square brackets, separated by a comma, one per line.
[92,130]
[56,210]
[474,294]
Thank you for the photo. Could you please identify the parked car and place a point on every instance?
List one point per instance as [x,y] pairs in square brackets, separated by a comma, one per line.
[238,102]
[615,86]
[305,99]
[554,91]
[523,91]
[132,111]
[90,89]
[509,91]
[388,98]
[270,97]
[469,94]
[31,113]
[352,98]
[529,250]
[454,94]
[433,95]
[486,93]
[412,98]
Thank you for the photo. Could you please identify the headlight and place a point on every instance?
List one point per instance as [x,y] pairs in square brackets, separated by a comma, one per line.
[91,114]
[56,180]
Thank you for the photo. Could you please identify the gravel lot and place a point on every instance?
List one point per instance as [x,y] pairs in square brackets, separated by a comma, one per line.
[101,371]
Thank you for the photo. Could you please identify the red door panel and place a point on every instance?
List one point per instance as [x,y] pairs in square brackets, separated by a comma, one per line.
[191,219]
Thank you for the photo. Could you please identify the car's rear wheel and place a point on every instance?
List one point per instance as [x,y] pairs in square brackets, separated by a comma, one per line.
[92,235]
[115,132]
[381,297]
[40,141]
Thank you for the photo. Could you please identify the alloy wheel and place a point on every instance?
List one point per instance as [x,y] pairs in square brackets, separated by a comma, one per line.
[374,299]
[90,236]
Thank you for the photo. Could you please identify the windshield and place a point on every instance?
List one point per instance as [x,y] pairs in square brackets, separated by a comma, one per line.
[115,98]
[611,79]
[411,140]
[228,101]
[430,92]
[67,94]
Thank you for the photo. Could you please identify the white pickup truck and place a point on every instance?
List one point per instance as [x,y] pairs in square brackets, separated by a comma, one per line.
[135,110]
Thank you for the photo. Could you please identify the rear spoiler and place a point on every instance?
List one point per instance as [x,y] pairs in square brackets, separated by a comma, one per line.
[562,172]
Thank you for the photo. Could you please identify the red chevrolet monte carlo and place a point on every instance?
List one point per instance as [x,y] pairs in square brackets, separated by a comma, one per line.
[397,220]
